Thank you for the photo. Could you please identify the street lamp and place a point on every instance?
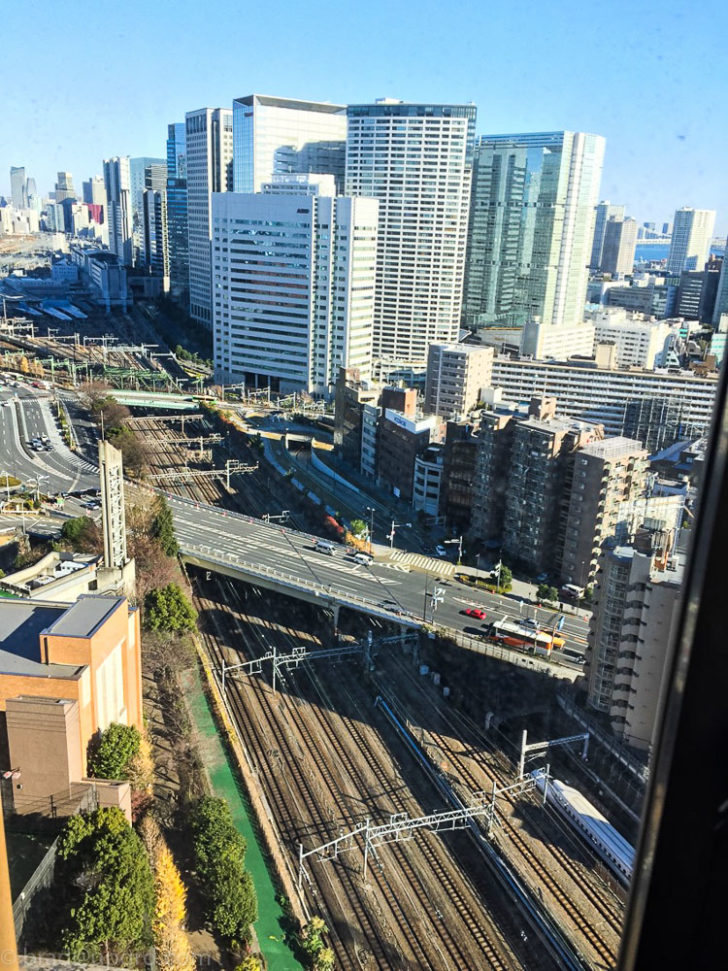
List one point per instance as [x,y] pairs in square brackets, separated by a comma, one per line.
[395,527]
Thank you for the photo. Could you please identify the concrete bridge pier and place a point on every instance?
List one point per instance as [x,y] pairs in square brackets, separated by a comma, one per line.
[335,610]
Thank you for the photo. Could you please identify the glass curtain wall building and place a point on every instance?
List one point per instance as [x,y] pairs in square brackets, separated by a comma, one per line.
[416,159]
[177,209]
[279,136]
[531,227]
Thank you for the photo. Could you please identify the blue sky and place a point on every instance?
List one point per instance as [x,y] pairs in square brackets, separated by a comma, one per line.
[82,81]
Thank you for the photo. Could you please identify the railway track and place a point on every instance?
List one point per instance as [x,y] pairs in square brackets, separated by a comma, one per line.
[604,944]
[400,889]
[371,950]
[252,494]
[294,743]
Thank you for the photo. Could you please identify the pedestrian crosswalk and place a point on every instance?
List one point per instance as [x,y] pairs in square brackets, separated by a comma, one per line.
[428,563]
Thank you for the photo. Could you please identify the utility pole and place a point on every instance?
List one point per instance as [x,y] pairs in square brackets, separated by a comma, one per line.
[370,510]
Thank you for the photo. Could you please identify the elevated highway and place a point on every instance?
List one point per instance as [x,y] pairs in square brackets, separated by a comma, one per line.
[286,561]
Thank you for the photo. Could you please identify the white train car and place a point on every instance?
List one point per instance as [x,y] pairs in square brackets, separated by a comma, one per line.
[594,828]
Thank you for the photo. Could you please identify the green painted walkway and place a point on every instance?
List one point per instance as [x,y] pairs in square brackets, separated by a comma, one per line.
[224,781]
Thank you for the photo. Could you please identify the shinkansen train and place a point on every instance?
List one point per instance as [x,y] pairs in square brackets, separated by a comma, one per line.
[594,828]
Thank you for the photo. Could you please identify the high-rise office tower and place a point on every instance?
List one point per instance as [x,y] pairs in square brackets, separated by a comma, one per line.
[293,283]
[176,151]
[620,241]
[692,234]
[275,136]
[64,187]
[156,241]
[531,227]
[94,191]
[155,255]
[602,214]
[17,186]
[117,181]
[209,140]
[179,270]
[416,159]
[33,200]
[137,175]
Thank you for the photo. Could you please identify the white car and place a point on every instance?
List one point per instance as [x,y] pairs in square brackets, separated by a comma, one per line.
[440,550]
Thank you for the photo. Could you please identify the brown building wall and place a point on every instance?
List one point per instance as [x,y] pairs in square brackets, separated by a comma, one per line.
[44,738]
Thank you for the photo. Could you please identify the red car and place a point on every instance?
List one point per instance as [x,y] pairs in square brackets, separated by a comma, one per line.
[475,612]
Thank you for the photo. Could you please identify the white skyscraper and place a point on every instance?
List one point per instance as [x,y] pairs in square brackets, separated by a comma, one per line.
[416,159]
[692,234]
[532,227]
[117,181]
[209,140]
[293,283]
[275,136]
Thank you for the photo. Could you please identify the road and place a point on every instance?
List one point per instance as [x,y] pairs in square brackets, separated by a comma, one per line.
[391,585]
[386,583]
[24,414]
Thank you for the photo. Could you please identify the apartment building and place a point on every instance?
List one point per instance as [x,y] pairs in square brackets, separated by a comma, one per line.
[458,475]
[604,475]
[401,440]
[636,600]
[521,478]
[455,375]
[604,395]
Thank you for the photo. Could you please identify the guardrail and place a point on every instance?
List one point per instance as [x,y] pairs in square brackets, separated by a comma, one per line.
[326,593]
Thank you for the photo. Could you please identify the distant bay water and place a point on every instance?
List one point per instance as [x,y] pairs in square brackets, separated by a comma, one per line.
[660,251]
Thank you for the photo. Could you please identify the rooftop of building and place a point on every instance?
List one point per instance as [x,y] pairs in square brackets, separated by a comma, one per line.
[675,564]
[612,448]
[85,616]
[21,624]
[559,423]
[573,365]
[293,104]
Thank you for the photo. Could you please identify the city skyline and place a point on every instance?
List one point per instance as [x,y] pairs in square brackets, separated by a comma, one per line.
[656,149]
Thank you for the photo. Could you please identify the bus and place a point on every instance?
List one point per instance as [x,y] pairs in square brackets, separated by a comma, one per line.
[515,633]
